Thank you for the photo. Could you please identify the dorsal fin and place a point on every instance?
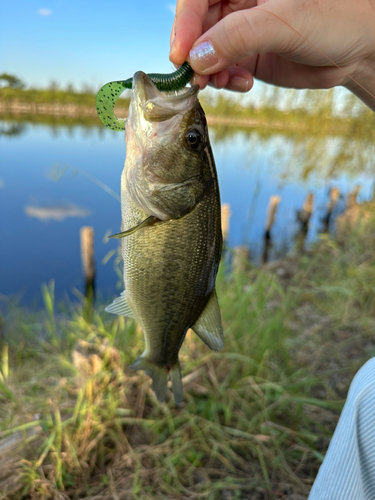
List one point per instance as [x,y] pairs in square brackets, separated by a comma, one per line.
[120,306]
[208,326]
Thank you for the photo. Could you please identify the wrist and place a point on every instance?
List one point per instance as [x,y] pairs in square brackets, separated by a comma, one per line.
[364,74]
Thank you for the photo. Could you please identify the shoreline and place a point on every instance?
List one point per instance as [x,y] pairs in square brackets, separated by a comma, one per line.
[69,110]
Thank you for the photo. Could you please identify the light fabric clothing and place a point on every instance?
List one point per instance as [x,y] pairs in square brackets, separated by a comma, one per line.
[348,470]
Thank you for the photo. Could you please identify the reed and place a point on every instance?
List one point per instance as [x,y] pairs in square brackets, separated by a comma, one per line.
[257,417]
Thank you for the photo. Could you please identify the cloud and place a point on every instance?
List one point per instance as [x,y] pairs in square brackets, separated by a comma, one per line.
[44,12]
[57,212]
[172,8]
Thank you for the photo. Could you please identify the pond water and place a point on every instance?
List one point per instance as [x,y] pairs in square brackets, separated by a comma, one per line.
[50,186]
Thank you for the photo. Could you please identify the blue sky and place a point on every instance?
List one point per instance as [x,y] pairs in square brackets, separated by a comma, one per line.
[83,42]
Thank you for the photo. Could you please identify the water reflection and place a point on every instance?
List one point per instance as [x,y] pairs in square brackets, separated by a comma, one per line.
[314,149]
[12,129]
[253,166]
[57,212]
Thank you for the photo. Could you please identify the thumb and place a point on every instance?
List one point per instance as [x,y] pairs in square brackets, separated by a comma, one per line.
[240,35]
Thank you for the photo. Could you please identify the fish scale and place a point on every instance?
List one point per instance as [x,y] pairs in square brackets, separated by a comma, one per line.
[168,298]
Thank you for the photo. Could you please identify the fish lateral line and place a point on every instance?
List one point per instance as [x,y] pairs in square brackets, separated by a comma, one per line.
[150,221]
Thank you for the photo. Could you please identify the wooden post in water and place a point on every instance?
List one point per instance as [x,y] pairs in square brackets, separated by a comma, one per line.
[241,258]
[271,214]
[225,219]
[87,236]
[334,196]
[304,215]
[273,203]
[352,197]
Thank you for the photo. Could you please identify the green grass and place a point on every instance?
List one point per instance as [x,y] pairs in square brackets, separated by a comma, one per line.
[58,96]
[257,417]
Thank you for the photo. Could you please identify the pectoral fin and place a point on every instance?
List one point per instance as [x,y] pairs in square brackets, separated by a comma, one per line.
[209,327]
[120,306]
[147,222]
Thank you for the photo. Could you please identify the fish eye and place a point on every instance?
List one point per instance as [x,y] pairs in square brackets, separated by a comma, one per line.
[193,139]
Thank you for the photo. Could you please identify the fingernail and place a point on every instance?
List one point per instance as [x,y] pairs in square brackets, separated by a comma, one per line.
[238,84]
[213,82]
[203,56]
[197,80]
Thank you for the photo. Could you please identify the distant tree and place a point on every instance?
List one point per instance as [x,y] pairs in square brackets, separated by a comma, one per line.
[11,81]
[87,89]
[53,86]
[70,88]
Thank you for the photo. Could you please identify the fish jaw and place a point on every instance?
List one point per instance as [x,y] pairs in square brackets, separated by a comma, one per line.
[154,114]
[155,132]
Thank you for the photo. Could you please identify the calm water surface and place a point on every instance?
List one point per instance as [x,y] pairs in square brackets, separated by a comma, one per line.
[42,211]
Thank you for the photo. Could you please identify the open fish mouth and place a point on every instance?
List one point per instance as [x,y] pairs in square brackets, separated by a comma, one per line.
[159,106]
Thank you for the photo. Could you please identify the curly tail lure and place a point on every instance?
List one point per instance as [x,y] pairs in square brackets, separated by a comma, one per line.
[110,92]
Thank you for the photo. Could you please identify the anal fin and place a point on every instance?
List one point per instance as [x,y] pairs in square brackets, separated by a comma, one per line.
[208,326]
[120,306]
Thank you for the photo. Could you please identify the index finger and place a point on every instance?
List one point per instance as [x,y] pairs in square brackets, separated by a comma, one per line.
[187,27]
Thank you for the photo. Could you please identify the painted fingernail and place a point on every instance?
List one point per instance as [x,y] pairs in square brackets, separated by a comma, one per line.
[203,56]
[238,84]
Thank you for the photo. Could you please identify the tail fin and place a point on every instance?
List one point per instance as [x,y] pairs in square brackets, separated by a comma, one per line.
[159,376]
[177,383]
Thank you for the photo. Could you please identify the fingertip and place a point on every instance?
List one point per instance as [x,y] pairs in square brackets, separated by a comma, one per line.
[200,80]
[220,80]
[240,80]
[187,29]
[239,84]
[177,54]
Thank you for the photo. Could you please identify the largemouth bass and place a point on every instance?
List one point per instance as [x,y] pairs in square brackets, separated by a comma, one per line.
[170,206]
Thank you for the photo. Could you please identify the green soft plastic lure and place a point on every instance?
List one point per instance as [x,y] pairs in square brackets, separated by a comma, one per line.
[110,92]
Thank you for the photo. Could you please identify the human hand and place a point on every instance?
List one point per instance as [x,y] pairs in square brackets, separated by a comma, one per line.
[289,43]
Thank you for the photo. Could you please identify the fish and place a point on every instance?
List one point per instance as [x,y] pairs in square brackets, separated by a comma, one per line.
[172,240]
